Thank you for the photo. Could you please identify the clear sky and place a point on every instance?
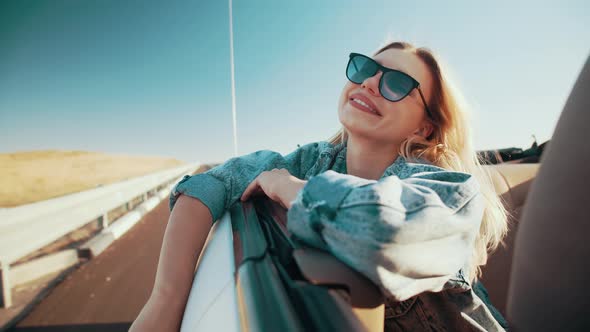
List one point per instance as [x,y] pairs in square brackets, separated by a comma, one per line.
[153,77]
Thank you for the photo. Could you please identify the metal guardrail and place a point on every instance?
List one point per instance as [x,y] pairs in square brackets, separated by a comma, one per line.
[27,228]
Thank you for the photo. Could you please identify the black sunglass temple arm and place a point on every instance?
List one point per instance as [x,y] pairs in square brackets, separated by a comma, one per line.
[424,101]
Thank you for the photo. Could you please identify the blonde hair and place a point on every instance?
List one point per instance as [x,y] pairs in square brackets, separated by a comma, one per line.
[449,146]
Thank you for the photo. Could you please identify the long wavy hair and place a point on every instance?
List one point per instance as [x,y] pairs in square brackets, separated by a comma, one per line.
[449,146]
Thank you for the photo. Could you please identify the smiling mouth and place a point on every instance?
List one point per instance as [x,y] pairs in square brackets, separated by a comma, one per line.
[363,106]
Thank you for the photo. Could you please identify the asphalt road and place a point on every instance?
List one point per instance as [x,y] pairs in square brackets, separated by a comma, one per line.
[107,292]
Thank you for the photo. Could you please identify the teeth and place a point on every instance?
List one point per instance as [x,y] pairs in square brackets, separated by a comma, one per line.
[364,104]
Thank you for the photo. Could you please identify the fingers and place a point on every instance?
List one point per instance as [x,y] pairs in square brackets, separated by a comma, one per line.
[246,194]
[264,183]
[252,189]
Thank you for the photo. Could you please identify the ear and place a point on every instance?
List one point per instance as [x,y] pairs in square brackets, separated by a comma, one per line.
[425,130]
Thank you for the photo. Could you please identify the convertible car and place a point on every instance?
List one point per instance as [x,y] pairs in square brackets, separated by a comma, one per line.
[252,276]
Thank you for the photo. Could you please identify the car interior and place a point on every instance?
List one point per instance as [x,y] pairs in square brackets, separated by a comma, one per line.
[512,183]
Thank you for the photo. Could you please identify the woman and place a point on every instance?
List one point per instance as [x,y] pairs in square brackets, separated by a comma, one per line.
[398,194]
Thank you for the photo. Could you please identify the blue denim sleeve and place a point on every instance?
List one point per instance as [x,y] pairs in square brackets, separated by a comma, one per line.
[221,186]
[407,235]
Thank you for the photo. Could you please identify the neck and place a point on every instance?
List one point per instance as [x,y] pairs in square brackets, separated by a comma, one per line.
[369,159]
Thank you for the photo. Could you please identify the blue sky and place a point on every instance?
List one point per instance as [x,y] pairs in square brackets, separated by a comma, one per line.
[153,77]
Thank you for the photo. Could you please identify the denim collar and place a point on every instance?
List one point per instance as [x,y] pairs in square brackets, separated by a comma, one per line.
[399,164]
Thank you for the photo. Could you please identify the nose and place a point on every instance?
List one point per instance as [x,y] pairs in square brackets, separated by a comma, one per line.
[372,84]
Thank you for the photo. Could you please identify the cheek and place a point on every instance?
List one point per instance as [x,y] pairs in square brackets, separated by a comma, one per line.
[405,111]
[344,116]
[341,115]
[348,87]
[402,119]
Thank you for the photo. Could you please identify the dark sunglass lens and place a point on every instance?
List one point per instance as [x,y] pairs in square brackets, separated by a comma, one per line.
[360,68]
[396,85]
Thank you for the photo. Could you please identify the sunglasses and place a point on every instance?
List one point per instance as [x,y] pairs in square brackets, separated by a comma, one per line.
[394,85]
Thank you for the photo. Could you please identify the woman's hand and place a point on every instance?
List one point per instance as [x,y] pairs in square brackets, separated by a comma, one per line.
[156,316]
[278,184]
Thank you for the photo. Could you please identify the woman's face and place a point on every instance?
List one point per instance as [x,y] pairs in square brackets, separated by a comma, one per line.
[396,120]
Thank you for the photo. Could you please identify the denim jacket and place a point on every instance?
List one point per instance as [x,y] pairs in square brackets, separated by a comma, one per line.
[411,232]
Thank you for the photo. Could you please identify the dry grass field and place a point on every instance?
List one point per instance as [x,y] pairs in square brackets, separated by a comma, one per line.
[27,177]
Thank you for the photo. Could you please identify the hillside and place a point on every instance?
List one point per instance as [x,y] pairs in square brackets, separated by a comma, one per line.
[27,177]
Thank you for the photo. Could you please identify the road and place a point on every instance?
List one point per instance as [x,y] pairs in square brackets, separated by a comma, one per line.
[107,292]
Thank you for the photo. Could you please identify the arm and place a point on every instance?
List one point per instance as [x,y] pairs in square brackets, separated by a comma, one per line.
[196,202]
[186,232]
[408,236]
[221,186]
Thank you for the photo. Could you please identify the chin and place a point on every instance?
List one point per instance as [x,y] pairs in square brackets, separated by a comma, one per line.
[346,119]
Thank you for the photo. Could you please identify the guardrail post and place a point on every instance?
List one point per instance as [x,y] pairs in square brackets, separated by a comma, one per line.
[103,221]
[5,292]
[128,206]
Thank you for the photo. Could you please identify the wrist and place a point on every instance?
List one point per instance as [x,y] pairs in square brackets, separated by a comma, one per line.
[170,297]
[293,190]
[158,315]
